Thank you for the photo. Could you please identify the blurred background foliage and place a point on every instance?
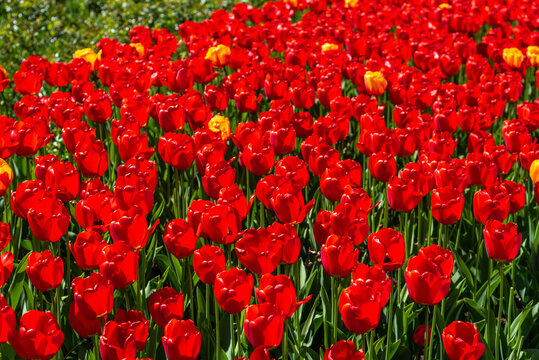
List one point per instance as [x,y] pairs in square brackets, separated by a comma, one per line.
[54,29]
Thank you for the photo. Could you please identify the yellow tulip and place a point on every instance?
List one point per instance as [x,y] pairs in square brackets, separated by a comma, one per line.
[3,71]
[87,55]
[375,82]
[350,3]
[533,54]
[534,171]
[139,47]
[220,124]
[6,176]
[328,47]
[218,55]
[444,6]
[513,57]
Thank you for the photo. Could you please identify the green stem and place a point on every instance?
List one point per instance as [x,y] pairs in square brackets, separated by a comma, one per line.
[285,341]
[217,330]
[386,209]
[426,335]
[420,222]
[232,336]
[431,331]
[372,351]
[389,324]
[334,301]
[500,308]
[190,281]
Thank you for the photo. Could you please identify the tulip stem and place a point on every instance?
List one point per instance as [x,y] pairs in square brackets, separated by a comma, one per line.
[431,331]
[372,352]
[217,330]
[190,281]
[334,301]
[285,341]
[389,323]
[420,222]
[232,337]
[426,335]
[499,326]
[386,209]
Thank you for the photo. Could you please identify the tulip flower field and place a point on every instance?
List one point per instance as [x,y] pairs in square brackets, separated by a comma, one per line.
[306,179]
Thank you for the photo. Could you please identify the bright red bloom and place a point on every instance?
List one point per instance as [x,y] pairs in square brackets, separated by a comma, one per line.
[179,238]
[221,223]
[92,158]
[382,166]
[6,267]
[134,323]
[258,251]
[264,325]
[48,219]
[258,156]
[462,341]
[280,291]
[86,249]
[8,320]
[181,340]
[402,195]
[287,235]
[166,304]
[208,261]
[428,275]
[131,228]
[492,203]
[5,235]
[118,262]
[288,204]
[81,324]
[339,257]
[344,350]
[38,337]
[177,150]
[446,205]
[116,342]
[233,289]
[386,249]
[374,278]
[360,308]
[502,240]
[97,106]
[93,295]
[44,270]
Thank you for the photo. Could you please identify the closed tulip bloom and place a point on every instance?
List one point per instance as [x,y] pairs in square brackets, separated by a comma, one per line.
[258,251]
[462,341]
[382,166]
[233,289]
[264,325]
[534,171]
[44,270]
[373,278]
[339,256]
[360,308]
[492,203]
[289,205]
[119,263]
[116,342]
[5,235]
[177,150]
[82,325]
[419,335]
[447,204]
[513,57]
[280,291]
[6,176]
[258,156]
[208,261]
[402,195]
[48,219]
[502,240]
[344,350]
[86,249]
[166,304]
[180,238]
[181,340]
[38,336]
[6,267]
[375,83]
[218,55]
[386,249]
[91,158]
[287,235]
[428,275]
[93,295]
[134,323]
[517,195]
[8,319]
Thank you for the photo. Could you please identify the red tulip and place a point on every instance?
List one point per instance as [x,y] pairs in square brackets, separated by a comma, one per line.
[419,335]
[374,278]
[258,156]
[287,235]
[344,350]
[48,219]
[447,204]
[116,342]
[134,323]
[386,249]
[5,235]
[177,150]
[492,203]
[179,238]
[382,166]
[166,304]
[92,158]
[288,204]
[462,341]
[258,251]
[81,324]
[44,270]
[97,106]
[360,308]
[181,340]
[264,325]
[221,223]
[402,195]
[502,240]
[280,291]
[131,228]
[208,261]
[38,337]
[118,262]
[93,295]
[6,267]
[339,257]
[233,289]
[86,249]
[8,320]
[428,275]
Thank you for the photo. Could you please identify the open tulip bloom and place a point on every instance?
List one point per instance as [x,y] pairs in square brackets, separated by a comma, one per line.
[300,179]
